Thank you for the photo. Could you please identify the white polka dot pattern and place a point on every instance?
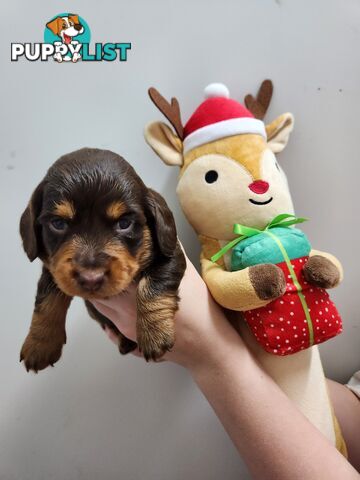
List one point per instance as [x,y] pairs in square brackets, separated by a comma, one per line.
[283,323]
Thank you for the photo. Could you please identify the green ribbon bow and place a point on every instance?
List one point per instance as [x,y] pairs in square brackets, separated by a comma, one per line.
[282,220]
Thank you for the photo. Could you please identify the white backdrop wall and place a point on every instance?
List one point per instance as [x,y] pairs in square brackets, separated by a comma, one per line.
[96,415]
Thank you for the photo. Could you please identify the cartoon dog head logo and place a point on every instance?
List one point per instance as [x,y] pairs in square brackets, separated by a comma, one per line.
[66,27]
[67,31]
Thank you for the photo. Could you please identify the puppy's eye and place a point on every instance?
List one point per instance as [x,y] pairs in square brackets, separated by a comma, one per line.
[211,176]
[58,224]
[124,223]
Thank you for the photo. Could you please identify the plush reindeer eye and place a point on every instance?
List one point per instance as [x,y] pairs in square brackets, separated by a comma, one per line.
[58,224]
[211,176]
[124,223]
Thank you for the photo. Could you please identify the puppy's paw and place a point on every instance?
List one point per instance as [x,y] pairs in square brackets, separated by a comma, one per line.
[76,57]
[155,328]
[38,355]
[58,57]
[156,340]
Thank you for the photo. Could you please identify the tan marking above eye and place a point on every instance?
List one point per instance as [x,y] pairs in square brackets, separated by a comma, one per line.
[115,210]
[65,209]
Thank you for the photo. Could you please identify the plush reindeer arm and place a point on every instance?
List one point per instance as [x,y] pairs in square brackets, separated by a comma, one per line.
[241,290]
[323,270]
[232,290]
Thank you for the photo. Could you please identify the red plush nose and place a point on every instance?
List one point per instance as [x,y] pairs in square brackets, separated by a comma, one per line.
[259,186]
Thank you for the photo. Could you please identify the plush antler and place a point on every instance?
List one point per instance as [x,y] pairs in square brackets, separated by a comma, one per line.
[258,106]
[170,110]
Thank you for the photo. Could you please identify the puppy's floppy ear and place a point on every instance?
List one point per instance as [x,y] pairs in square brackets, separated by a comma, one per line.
[161,222]
[54,25]
[74,18]
[29,230]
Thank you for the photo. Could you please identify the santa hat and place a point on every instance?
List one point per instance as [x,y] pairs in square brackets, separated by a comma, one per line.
[218,117]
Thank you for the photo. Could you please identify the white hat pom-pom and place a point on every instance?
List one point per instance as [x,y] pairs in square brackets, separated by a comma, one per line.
[216,90]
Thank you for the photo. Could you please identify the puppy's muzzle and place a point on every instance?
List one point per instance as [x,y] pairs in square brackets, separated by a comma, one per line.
[90,280]
[90,270]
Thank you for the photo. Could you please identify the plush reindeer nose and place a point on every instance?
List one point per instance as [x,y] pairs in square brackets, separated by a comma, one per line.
[259,186]
[90,280]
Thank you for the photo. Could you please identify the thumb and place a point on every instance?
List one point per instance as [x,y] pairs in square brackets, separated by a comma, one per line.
[121,310]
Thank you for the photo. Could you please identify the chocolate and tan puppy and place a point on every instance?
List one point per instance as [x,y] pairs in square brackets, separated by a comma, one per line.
[97,228]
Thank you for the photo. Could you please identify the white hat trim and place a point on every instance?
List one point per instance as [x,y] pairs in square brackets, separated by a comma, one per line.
[225,128]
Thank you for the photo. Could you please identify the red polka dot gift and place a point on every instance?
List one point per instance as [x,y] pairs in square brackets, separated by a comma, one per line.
[254,260]
[304,314]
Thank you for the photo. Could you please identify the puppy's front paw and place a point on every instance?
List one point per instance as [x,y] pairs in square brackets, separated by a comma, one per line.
[76,57]
[155,329]
[58,57]
[155,340]
[39,354]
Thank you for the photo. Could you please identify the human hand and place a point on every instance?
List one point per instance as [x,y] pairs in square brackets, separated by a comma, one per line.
[200,324]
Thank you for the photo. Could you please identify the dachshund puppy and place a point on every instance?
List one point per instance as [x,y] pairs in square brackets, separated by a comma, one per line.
[97,228]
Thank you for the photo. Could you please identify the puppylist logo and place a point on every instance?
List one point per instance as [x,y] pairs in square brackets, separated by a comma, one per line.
[67,39]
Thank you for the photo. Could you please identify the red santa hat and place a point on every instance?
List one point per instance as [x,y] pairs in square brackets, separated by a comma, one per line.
[218,117]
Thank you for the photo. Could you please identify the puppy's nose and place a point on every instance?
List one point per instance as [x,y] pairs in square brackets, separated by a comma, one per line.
[90,260]
[78,27]
[259,186]
[90,280]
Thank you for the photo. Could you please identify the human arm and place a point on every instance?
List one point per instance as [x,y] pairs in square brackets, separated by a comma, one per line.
[275,440]
[347,410]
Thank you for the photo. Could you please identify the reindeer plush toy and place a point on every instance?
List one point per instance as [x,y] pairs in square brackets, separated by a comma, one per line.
[254,262]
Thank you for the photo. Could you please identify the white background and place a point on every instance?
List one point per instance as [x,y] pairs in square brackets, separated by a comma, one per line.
[97,415]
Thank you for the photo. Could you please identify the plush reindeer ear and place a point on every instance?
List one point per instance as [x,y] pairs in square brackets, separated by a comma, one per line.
[54,25]
[161,223]
[29,231]
[278,132]
[165,143]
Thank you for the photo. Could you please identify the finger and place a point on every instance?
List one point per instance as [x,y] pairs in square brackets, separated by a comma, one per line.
[124,302]
[128,296]
[137,353]
[105,310]
[123,318]
[112,335]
